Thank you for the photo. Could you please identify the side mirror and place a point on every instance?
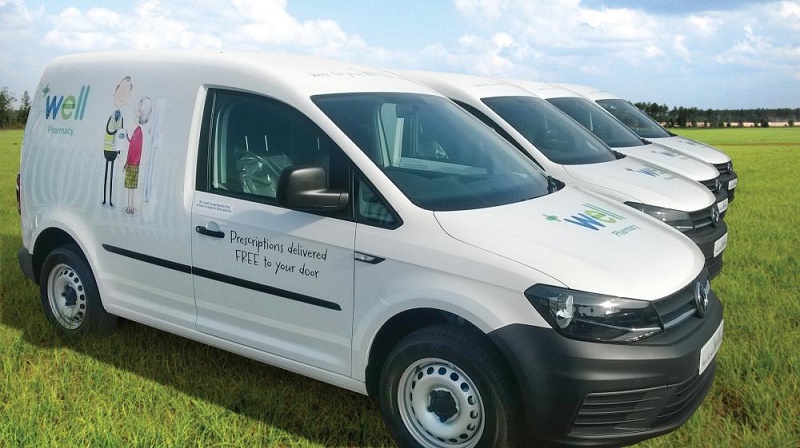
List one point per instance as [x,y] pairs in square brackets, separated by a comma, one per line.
[304,187]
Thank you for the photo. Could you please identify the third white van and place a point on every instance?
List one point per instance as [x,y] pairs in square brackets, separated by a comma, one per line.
[647,128]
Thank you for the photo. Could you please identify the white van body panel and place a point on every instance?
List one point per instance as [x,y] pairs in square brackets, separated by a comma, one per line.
[580,250]
[679,162]
[614,178]
[693,147]
[635,180]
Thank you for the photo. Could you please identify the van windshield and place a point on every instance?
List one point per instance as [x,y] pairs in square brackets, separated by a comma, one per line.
[439,156]
[632,117]
[558,137]
[596,119]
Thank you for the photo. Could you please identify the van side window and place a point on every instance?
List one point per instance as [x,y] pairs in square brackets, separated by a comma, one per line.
[371,208]
[252,139]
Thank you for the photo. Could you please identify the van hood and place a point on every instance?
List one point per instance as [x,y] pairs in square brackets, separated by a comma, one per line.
[693,148]
[629,179]
[583,241]
[675,161]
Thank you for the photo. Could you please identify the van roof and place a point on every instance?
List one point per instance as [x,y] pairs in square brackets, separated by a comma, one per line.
[466,88]
[544,90]
[301,74]
[591,93]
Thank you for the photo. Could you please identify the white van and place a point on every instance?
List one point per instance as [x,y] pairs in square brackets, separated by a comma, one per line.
[570,153]
[296,211]
[620,138]
[646,128]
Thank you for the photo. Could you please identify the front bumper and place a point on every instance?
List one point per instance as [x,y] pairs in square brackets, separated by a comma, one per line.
[725,179]
[26,263]
[580,393]
[706,238]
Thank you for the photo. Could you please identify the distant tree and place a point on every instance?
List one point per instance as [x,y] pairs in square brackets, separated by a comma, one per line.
[790,123]
[24,108]
[6,110]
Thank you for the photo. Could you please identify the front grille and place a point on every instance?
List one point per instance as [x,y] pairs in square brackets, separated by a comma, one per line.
[712,184]
[702,218]
[677,307]
[626,412]
[724,168]
[684,395]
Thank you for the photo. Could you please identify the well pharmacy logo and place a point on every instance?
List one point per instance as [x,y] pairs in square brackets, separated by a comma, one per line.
[595,218]
[653,171]
[669,152]
[65,107]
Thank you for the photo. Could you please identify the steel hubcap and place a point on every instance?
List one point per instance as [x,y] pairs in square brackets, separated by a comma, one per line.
[67,297]
[440,405]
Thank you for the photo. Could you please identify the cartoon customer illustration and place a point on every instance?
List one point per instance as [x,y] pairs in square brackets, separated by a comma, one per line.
[143,110]
[115,137]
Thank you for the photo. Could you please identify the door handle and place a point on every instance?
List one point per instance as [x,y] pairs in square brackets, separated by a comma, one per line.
[206,231]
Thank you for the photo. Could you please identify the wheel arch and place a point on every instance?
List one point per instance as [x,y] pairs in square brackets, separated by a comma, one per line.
[46,241]
[405,323]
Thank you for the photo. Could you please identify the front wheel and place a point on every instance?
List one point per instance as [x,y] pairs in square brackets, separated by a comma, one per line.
[444,387]
[69,294]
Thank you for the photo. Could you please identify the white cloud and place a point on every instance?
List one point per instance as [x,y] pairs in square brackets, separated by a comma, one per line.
[788,13]
[16,20]
[679,47]
[488,9]
[652,51]
[243,24]
[704,25]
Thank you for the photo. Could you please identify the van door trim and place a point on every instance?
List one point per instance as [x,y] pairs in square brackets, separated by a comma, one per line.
[260,287]
[223,278]
[180,267]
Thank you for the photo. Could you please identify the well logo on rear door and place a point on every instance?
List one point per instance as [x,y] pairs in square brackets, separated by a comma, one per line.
[60,106]
[65,106]
[596,218]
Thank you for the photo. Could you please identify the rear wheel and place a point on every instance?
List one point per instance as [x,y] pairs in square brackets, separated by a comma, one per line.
[445,387]
[69,294]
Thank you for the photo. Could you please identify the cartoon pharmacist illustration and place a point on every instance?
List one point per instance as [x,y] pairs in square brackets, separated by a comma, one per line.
[142,115]
[115,138]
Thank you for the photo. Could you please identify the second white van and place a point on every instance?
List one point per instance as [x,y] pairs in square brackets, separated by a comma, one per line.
[568,152]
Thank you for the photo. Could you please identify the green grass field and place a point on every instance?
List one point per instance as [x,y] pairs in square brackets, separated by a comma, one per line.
[143,387]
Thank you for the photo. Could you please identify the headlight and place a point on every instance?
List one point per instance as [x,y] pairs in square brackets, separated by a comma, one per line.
[595,317]
[676,218]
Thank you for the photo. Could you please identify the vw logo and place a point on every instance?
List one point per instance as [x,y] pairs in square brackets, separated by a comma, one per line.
[701,297]
[717,185]
[714,215]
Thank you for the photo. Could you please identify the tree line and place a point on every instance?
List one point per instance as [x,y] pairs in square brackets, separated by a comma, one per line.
[14,114]
[682,117]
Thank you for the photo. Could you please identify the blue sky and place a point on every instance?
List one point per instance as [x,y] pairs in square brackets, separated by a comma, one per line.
[701,53]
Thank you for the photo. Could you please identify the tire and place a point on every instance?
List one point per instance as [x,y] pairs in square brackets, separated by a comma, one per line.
[445,387]
[69,294]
